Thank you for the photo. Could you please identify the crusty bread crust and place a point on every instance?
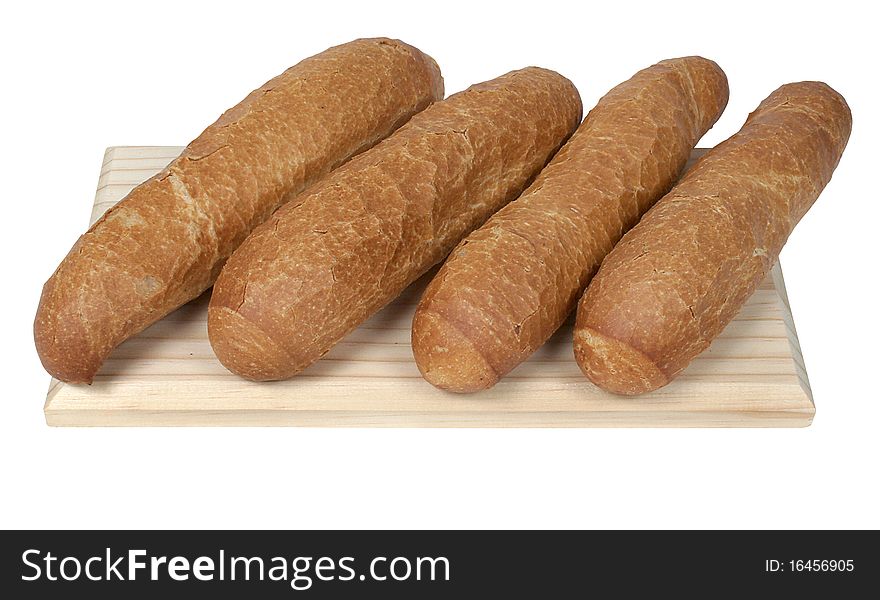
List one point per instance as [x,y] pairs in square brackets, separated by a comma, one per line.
[678,278]
[505,289]
[344,248]
[165,243]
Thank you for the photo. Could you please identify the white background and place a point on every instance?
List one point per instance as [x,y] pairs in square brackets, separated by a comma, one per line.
[77,79]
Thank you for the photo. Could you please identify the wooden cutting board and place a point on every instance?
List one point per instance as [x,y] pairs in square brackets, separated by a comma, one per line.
[752,376]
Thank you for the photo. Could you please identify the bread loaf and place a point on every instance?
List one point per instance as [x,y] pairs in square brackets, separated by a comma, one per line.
[165,242]
[510,284]
[340,251]
[678,277]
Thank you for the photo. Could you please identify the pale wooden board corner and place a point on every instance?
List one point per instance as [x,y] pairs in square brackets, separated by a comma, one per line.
[752,376]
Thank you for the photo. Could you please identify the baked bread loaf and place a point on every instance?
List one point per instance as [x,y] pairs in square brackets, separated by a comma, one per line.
[340,251]
[678,277]
[165,243]
[510,284]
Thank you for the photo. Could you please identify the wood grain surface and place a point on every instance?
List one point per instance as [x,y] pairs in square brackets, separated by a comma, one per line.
[753,375]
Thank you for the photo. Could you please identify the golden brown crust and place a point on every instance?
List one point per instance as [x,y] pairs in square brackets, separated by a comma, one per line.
[344,248]
[677,279]
[166,241]
[619,366]
[505,290]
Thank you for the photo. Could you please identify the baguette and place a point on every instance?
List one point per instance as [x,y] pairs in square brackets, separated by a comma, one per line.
[678,278]
[510,284]
[343,249]
[165,243]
